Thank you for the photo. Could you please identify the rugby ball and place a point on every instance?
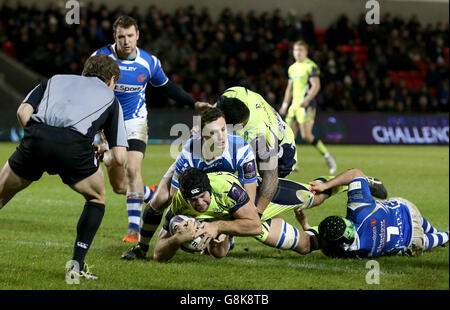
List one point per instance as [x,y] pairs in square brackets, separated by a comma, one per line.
[177,220]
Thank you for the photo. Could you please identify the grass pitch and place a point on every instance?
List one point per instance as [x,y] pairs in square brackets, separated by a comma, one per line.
[38,228]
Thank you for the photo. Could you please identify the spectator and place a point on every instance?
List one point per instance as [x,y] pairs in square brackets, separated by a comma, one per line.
[243,46]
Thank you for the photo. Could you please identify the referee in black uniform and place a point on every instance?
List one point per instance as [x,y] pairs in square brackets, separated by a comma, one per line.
[60,118]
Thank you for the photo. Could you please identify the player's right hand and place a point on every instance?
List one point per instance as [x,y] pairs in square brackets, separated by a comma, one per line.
[201,106]
[282,111]
[301,219]
[209,232]
[99,150]
[318,186]
[186,231]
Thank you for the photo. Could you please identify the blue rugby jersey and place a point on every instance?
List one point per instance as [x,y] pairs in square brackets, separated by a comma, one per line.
[238,157]
[130,89]
[383,227]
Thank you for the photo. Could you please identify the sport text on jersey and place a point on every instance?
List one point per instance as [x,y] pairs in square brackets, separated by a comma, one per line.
[127,88]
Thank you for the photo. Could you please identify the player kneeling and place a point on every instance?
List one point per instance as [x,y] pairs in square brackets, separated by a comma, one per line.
[222,208]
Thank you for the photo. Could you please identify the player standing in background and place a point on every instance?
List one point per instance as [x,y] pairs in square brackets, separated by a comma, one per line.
[60,118]
[373,228]
[137,69]
[303,86]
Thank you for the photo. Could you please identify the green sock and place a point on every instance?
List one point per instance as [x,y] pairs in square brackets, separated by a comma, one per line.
[318,144]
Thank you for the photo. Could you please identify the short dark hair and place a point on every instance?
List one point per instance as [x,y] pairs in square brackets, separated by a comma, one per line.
[235,110]
[125,21]
[192,182]
[103,67]
[210,115]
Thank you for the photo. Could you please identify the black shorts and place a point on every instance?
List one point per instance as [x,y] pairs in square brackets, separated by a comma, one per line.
[287,162]
[55,151]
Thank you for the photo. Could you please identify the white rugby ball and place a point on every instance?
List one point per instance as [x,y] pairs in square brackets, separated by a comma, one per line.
[187,246]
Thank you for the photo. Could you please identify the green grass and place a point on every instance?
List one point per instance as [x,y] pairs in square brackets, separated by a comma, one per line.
[38,227]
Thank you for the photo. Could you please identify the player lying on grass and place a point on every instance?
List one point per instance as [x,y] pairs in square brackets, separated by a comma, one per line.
[219,202]
[373,228]
[224,152]
[214,150]
[213,198]
[60,118]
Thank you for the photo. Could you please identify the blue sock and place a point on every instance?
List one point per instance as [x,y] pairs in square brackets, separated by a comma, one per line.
[148,193]
[427,228]
[434,240]
[134,208]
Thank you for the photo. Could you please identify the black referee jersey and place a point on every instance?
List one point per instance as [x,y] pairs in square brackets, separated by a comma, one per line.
[68,111]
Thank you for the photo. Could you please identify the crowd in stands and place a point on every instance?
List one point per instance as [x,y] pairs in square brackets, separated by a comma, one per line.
[399,65]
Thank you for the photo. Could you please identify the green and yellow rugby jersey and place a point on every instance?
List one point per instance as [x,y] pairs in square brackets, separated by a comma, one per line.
[263,120]
[300,73]
[227,196]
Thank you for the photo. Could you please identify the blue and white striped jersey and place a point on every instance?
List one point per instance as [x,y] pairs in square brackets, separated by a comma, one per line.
[130,89]
[383,227]
[237,158]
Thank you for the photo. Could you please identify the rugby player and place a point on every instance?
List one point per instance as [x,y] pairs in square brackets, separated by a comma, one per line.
[137,69]
[60,118]
[374,228]
[222,206]
[303,86]
[271,139]
[231,154]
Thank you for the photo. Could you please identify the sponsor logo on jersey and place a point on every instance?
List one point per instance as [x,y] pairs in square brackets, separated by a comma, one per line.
[126,88]
[141,78]
[124,68]
[249,170]
[237,193]
[373,222]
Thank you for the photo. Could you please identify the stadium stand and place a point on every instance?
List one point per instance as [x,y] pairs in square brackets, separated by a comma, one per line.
[397,66]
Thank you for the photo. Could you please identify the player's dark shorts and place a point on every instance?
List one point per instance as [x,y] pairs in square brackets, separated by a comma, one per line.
[287,161]
[55,151]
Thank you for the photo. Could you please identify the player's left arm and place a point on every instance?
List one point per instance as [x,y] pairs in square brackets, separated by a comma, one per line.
[268,186]
[267,161]
[251,189]
[172,90]
[24,113]
[245,222]
[342,179]
[175,92]
[30,104]
[314,81]
[115,134]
